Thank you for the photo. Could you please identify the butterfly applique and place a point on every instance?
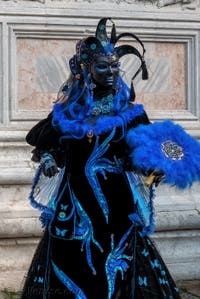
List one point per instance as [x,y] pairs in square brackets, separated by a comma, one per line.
[163,281]
[155,264]
[145,252]
[142,281]
[60,232]
[63,207]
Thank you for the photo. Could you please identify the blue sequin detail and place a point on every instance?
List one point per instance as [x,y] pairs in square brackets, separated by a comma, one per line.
[98,164]
[83,230]
[72,287]
[117,261]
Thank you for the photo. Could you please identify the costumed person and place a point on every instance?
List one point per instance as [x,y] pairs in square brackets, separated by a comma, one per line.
[97,209]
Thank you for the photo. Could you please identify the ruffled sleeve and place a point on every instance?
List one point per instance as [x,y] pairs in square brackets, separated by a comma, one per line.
[45,138]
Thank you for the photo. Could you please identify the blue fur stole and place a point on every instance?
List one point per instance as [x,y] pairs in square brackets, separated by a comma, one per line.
[79,128]
[167,147]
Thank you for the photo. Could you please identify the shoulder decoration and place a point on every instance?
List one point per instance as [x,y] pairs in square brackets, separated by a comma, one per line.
[80,128]
[165,146]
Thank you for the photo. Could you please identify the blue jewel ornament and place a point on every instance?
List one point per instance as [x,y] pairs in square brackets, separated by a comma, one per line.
[61,215]
[93,46]
[103,106]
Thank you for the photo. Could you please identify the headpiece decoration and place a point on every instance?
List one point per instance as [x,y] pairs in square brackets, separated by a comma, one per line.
[101,45]
[75,98]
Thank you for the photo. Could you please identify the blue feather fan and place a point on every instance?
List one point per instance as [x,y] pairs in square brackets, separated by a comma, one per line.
[167,147]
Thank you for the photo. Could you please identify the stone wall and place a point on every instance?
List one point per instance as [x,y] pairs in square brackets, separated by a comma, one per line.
[37,39]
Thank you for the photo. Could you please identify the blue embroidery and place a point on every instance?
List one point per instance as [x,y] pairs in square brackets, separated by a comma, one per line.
[142,281]
[135,218]
[72,287]
[176,289]
[63,207]
[163,272]
[117,261]
[145,252]
[80,225]
[63,215]
[83,230]
[96,163]
[155,264]
[163,281]
[149,242]
[60,232]
[39,279]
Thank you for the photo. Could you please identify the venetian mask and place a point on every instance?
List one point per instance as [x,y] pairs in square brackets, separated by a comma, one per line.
[105,70]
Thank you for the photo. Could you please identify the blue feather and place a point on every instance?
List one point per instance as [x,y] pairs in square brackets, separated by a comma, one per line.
[78,129]
[146,152]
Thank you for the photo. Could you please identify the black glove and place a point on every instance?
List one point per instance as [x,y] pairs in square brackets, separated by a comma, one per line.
[49,166]
[159,176]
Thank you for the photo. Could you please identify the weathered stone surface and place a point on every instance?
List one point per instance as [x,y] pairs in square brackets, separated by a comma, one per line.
[185,4]
[18,1]
[49,68]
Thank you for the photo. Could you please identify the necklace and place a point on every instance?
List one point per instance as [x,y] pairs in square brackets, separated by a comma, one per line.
[103,106]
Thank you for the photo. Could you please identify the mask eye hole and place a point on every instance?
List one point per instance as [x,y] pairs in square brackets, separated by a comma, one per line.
[102,66]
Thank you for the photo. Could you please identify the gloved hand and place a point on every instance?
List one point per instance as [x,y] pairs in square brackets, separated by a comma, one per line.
[49,166]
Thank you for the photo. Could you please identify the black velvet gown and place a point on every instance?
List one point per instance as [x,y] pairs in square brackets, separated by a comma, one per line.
[91,249]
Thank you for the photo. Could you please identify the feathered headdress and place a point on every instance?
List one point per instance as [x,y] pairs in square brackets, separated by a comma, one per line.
[101,45]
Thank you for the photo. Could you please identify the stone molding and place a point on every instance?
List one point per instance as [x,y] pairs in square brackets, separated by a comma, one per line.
[184,4]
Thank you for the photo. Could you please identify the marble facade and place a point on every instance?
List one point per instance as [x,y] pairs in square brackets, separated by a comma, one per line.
[37,39]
